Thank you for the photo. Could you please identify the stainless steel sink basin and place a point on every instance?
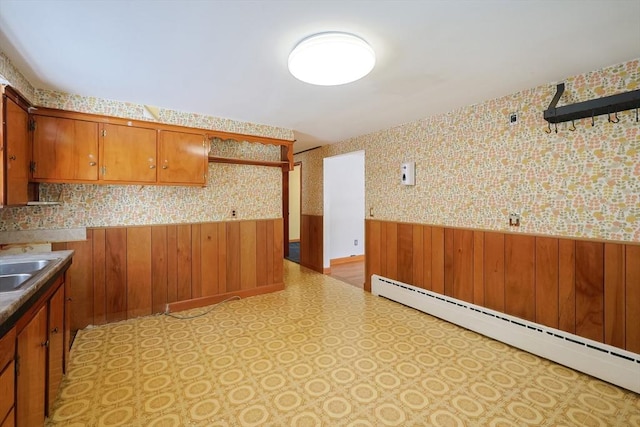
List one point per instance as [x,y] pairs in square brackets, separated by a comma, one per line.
[12,282]
[23,267]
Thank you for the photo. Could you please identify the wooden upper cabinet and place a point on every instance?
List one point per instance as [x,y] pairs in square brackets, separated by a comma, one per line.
[16,143]
[183,158]
[128,154]
[64,149]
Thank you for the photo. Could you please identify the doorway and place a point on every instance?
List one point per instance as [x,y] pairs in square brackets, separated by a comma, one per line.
[295,204]
[344,214]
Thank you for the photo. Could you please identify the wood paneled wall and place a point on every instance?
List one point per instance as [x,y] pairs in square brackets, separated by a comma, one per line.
[588,288]
[124,272]
[311,238]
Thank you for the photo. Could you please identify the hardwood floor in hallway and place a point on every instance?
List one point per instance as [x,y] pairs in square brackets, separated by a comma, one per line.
[351,273]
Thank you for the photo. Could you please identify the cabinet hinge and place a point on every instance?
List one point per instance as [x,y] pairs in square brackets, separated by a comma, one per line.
[32,166]
[104,170]
[32,125]
[104,132]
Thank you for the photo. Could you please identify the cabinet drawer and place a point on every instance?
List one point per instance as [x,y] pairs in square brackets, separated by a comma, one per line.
[7,381]
[7,349]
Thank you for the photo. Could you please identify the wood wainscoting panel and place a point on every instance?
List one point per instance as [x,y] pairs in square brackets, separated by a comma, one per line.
[372,251]
[125,272]
[80,278]
[463,261]
[417,255]
[159,270]
[519,276]
[311,238]
[546,286]
[139,266]
[567,285]
[588,288]
[437,259]
[632,298]
[494,271]
[614,290]
[116,273]
[99,276]
[248,238]
[478,267]
[405,253]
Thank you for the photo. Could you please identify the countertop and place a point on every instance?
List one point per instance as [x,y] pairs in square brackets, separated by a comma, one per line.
[13,303]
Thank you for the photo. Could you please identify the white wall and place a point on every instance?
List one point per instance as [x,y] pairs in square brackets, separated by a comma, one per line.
[294,203]
[343,206]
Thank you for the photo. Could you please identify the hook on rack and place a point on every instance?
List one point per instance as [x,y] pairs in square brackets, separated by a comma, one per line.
[593,119]
[556,127]
[573,126]
[548,130]
[636,115]
[617,119]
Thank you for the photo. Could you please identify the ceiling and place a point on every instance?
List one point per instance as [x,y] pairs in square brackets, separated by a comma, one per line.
[229,58]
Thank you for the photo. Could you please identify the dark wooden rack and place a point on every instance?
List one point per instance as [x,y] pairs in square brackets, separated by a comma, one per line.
[594,107]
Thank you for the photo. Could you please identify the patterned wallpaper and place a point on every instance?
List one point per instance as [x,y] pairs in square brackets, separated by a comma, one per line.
[88,104]
[11,74]
[473,167]
[88,205]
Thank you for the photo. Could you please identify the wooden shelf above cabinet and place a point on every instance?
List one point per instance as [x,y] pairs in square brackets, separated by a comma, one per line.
[281,164]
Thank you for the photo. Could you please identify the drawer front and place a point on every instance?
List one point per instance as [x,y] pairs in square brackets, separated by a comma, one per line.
[7,349]
[7,382]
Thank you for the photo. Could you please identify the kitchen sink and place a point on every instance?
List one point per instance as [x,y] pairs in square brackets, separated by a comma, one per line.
[23,267]
[12,282]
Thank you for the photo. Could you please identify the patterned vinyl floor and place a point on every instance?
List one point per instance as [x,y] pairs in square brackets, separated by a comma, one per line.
[320,353]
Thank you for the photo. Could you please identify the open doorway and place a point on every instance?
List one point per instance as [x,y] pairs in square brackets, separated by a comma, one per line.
[295,192]
[344,213]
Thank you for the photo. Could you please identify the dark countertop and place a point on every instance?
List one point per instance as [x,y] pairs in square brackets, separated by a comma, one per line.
[14,303]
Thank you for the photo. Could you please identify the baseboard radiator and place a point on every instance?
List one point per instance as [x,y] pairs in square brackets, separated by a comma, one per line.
[602,361]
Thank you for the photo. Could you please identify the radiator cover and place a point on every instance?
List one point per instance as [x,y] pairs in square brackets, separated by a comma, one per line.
[602,361]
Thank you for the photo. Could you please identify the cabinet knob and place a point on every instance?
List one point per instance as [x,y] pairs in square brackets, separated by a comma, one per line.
[152,166]
[92,163]
[165,167]
[54,330]
[12,157]
[45,344]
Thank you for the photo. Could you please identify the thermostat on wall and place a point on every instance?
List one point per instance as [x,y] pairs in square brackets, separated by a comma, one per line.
[408,173]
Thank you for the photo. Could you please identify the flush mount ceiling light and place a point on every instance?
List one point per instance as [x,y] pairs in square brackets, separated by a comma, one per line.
[330,59]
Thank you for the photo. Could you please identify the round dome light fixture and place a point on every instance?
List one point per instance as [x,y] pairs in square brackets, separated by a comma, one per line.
[331,59]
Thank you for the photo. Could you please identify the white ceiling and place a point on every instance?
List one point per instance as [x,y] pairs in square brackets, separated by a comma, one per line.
[229,58]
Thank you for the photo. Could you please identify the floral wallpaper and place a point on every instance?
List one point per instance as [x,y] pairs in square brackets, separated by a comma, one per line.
[90,205]
[11,74]
[473,167]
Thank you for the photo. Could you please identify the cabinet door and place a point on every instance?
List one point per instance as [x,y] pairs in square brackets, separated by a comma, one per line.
[7,387]
[56,345]
[32,358]
[128,154]
[17,146]
[67,325]
[65,149]
[183,158]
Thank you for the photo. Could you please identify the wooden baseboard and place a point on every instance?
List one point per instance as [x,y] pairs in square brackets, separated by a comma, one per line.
[294,240]
[347,260]
[214,299]
[326,270]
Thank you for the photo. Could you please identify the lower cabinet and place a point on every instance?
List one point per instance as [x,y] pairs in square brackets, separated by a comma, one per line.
[32,368]
[40,357]
[10,421]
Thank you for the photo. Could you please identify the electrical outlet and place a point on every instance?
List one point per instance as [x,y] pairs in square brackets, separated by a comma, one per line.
[514,220]
[234,213]
[355,242]
[513,118]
